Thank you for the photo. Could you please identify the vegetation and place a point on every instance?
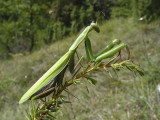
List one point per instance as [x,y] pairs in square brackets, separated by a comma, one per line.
[147,9]
[27,25]
[125,96]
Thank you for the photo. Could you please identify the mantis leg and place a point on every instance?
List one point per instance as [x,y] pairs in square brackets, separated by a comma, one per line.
[107,52]
[112,52]
[43,94]
[76,69]
[108,47]
[78,63]
[71,63]
[89,52]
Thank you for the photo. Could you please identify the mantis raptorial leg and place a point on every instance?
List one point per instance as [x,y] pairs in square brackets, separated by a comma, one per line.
[107,52]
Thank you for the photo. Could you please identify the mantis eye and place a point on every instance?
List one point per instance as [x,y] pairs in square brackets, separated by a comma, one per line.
[95,27]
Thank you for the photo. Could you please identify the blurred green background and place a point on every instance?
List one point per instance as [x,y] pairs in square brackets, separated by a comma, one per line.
[33,33]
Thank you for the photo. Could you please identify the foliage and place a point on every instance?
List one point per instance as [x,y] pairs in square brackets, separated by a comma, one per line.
[27,24]
[22,24]
[147,9]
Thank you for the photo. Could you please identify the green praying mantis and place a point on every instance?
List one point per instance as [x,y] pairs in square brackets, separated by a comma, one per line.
[54,76]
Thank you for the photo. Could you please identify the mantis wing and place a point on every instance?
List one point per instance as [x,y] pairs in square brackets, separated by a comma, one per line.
[47,77]
[49,88]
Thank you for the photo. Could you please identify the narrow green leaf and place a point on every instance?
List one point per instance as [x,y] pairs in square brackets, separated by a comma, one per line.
[91,80]
[28,115]
[108,72]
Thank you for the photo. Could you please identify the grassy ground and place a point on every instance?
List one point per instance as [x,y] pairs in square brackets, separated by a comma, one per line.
[126,97]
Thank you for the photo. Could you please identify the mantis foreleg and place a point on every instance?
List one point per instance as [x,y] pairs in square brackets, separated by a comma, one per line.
[107,52]
[108,47]
[112,52]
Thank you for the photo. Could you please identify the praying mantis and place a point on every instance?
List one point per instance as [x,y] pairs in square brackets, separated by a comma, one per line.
[54,76]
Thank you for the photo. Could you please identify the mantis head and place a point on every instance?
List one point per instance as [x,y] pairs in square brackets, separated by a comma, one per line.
[95,27]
